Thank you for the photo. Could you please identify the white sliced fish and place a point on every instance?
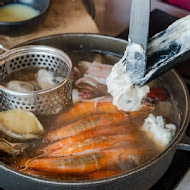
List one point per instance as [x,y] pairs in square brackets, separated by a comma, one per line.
[46,79]
[160,131]
[20,86]
[83,66]
[98,71]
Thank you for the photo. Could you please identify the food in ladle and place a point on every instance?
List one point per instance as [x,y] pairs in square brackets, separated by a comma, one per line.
[164,51]
[163,48]
[126,95]
[20,124]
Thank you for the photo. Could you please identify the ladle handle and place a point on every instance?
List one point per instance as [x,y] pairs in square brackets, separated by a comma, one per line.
[139,22]
[167,49]
[158,68]
[135,58]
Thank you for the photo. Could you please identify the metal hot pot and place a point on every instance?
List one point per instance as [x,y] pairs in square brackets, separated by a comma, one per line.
[140,178]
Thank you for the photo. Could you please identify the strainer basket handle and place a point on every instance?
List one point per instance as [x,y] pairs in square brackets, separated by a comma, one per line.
[3,48]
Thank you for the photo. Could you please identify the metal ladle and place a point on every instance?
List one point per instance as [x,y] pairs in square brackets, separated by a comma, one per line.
[166,49]
[135,55]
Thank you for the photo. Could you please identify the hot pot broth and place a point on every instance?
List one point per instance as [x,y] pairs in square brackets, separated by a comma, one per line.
[102,145]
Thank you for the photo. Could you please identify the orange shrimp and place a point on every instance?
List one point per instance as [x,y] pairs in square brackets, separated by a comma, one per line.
[94,121]
[85,109]
[84,163]
[94,144]
[71,164]
[104,131]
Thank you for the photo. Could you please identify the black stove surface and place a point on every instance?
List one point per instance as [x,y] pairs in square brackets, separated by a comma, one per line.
[176,171]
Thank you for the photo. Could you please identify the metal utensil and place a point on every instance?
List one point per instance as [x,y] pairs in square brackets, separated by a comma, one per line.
[41,102]
[139,22]
[138,34]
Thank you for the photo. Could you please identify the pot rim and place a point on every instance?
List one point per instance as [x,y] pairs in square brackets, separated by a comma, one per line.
[172,145]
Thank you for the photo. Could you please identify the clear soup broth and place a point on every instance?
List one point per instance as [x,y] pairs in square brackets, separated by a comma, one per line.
[92,139]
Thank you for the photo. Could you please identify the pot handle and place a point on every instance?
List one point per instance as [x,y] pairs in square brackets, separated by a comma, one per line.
[184,144]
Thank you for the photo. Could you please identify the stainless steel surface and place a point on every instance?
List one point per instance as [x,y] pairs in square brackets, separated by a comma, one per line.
[135,58]
[184,184]
[139,22]
[42,102]
[142,177]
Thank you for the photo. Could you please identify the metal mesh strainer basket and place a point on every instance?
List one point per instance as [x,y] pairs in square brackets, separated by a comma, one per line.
[42,102]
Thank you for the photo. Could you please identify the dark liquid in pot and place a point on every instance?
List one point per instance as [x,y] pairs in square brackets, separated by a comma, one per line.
[147,148]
